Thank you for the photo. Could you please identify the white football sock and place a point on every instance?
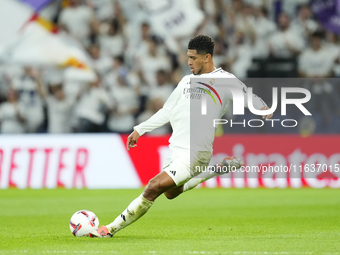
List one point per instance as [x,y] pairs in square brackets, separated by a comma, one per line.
[133,212]
[192,183]
[219,169]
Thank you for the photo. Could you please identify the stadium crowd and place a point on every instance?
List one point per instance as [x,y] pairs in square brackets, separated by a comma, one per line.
[137,69]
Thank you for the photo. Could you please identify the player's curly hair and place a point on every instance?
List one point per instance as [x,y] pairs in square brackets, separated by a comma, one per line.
[203,44]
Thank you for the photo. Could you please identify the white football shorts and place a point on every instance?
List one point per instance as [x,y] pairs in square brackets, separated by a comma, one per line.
[177,164]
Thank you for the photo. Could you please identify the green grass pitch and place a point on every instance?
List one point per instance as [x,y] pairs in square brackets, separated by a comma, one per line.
[202,221]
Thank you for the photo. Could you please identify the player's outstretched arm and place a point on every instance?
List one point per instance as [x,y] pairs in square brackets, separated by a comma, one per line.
[132,140]
[266,117]
[258,104]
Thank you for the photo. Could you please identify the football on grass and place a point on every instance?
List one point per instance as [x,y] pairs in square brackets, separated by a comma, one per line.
[83,222]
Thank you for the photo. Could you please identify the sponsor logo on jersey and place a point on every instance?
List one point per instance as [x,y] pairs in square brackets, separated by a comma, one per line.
[212,82]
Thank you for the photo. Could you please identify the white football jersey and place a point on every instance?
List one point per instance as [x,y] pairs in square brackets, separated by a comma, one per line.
[177,108]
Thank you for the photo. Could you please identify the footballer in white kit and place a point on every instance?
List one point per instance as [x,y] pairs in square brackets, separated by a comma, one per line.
[179,168]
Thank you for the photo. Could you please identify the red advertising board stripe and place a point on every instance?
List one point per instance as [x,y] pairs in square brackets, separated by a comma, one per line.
[102,161]
[284,144]
[258,150]
[71,161]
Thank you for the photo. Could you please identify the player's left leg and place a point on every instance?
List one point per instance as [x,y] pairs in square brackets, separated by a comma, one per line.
[227,164]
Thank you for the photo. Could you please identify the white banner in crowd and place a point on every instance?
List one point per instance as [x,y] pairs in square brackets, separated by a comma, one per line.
[13,15]
[27,37]
[91,161]
[174,18]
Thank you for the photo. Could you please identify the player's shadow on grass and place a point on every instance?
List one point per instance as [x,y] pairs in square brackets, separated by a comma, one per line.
[128,238]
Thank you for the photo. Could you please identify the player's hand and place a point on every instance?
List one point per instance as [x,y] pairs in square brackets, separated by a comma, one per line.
[267,117]
[132,140]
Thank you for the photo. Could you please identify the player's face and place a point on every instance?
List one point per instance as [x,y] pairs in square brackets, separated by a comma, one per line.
[196,62]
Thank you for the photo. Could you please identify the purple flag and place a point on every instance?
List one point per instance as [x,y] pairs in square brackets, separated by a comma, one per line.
[328,13]
[37,5]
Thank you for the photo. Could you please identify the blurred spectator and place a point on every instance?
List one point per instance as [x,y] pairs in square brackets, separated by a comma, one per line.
[285,43]
[101,63]
[332,45]
[208,25]
[259,3]
[303,24]
[121,118]
[264,28]
[12,114]
[208,7]
[58,107]
[232,11]
[138,44]
[138,69]
[244,23]
[151,61]
[103,9]
[111,41]
[220,52]
[164,88]
[291,7]
[79,21]
[5,83]
[9,72]
[237,8]
[119,67]
[25,85]
[92,107]
[240,55]
[316,62]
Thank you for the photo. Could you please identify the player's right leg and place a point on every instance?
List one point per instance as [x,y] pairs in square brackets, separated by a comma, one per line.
[195,159]
[174,192]
[175,173]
